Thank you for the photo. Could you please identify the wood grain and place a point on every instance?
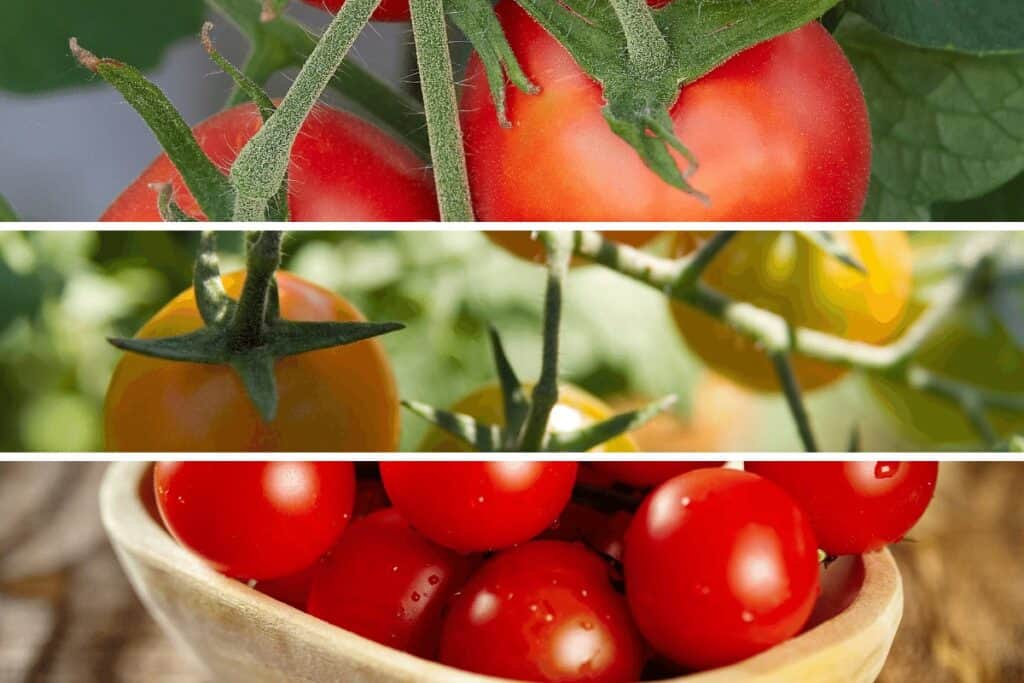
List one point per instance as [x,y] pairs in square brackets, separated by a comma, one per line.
[68,614]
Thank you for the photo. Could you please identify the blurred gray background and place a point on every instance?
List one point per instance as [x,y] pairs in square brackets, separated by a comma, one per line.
[65,155]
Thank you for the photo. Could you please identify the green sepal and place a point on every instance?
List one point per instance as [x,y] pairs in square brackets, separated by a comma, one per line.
[256,368]
[482,437]
[591,436]
[514,400]
[290,338]
[169,210]
[477,20]
[827,242]
[208,185]
[205,345]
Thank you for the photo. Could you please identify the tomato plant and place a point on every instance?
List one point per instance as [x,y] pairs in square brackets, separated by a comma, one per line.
[386,582]
[476,506]
[522,244]
[544,611]
[719,566]
[387,10]
[786,274]
[856,507]
[160,405]
[780,130]
[575,408]
[255,520]
[342,169]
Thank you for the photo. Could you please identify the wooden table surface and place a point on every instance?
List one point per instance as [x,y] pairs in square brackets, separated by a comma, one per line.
[68,614]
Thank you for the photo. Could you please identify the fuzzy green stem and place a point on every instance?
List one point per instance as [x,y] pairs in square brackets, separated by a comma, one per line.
[441,108]
[262,165]
[647,47]
[249,322]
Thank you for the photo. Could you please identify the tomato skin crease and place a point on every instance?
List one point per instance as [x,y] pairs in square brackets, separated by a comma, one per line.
[171,406]
[781,132]
[342,169]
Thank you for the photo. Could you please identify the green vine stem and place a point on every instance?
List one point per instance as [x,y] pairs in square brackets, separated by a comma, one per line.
[262,260]
[442,109]
[648,49]
[676,278]
[794,399]
[262,165]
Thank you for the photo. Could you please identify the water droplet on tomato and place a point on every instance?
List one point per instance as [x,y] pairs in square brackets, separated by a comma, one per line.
[885,470]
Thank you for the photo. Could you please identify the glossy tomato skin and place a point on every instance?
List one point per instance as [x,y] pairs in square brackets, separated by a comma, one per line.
[781,132]
[387,10]
[647,473]
[342,169]
[292,589]
[786,274]
[719,565]
[856,507]
[255,520]
[386,582]
[544,611]
[338,399]
[522,244]
[478,506]
[575,408]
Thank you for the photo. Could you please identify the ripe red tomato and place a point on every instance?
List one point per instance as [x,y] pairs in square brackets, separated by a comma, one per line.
[647,473]
[171,406]
[544,611]
[343,169]
[292,589]
[476,506]
[387,10]
[719,565]
[386,582]
[255,520]
[856,507]
[600,531]
[781,132]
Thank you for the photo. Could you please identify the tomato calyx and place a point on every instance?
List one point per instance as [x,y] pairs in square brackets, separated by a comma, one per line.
[249,334]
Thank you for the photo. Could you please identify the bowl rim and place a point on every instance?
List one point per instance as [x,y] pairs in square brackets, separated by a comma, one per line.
[129,526]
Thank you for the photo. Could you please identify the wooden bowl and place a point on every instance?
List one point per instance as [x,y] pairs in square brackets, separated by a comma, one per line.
[239,634]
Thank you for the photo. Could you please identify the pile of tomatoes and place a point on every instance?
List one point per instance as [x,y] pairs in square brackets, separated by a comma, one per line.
[506,568]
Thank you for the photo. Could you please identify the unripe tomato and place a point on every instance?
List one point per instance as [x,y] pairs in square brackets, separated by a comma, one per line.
[544,611]
[387,10]
[719,565]
[255,520]
[780,130]
[522,244]
[387,583]
[575,409]
[787,274]
[477,506]
[342,169]
[338,399]
[856,507]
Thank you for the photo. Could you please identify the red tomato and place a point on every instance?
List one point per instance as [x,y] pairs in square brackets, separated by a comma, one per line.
[600,531]
[476,506]
[343,169]
[292,589]
[543,612]
[386,582]
[719,565]
[255,520]
[387,10]
[781,132]
[646,473]
[856,507]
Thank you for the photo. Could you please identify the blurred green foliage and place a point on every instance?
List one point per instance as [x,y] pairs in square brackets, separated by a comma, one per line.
[63,293]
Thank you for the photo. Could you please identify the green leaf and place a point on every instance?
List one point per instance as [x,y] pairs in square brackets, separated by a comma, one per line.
[700,36]
[1005,203]
[946,126]
[7,214]
[34,36]
[978,26]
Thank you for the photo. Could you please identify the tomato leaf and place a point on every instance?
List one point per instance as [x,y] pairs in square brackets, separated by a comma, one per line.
[1005,203]
[978,27]
[826,241]
[700,36]
[477,20]
[482,437]
[946,126]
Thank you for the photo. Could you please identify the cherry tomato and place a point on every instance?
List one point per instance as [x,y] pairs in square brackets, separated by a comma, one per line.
[387,583]
[543,612]
[476,506]
[719,565]
[292,589]
[780,130]
[522,244]
[387,10]
[343,169]
[575,408]
[787,274]
[602,532]
[255,520]
[856,507]
[338,399]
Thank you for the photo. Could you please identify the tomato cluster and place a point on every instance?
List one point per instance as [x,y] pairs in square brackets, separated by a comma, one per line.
[507,569]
